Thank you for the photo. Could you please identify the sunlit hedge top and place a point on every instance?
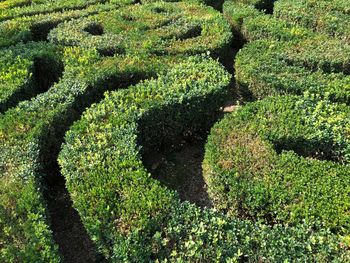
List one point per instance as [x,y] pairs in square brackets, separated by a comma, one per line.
[283,159]
[295,67]
[20,69]
[156,28]
[35,26]
[330,17]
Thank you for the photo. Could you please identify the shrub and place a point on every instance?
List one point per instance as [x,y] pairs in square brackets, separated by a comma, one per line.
[156,28]
[282,160]
[187,96]
[294,67]
[21,67]
[330,17]
[31,134]
[35,27]
[146,220]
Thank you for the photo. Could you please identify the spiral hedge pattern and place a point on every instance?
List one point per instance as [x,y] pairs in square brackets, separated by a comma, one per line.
[94,84]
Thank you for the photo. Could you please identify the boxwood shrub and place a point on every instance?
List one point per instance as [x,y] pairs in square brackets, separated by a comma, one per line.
[187,96]
[35,27]
[30,137]
[294,67]
[236,11]
[330,17]
[131,216]
[156,28]
[26,70]
[17,8]
[282,160]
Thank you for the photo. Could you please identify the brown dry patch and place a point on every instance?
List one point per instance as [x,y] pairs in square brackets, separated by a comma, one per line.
[246,152]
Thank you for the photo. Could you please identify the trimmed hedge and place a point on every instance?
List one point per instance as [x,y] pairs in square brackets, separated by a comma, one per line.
[294,67]
[330,17]
[130,215]
[156,28]
[22,68]
[195,235]
[283,160]
[37,27]
[186,97]
[29,8]
[30,136]
[236,11]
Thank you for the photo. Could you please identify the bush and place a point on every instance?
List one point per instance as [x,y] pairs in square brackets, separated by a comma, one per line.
[156,28]
[187,96]
[31,134]
[146,220]
[35,27]
[20,8]
[294,67]
[21,70]
[282,160]
[330,17]
[195,235]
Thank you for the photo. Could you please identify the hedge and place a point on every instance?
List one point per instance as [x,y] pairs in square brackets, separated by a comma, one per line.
[186,96]
[26,70]
[36,27]
[282,160]
[29,8]
[195,235]
[156,28]
[31,133]
[236,11]
[30,136]
[294,67]
[129,214]
[330,17]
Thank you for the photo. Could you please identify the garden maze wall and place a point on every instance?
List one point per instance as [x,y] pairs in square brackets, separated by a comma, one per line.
[88,87]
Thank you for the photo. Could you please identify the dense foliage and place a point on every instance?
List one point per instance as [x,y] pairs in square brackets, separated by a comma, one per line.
[282,159]
[114,79]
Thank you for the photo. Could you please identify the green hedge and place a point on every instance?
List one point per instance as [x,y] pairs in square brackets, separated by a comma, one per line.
[31,133]
[268,27]
[18,8]
[130,215]
[30,137]
[7,4]
[36,27]
[195,235]
[330,17]
[283,160]
[294,67]
[185,97]
[236,11]
[156,28]
[26,70]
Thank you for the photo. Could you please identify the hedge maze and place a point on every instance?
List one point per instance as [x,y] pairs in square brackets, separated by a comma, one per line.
[87,88]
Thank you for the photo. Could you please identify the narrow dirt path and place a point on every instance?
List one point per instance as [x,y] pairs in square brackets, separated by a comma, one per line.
[181,170]
[69,233]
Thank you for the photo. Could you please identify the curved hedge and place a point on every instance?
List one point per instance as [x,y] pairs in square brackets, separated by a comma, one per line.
[21,70]
[156,28]
[187,96]
[31,133]
[36,27]
[330,17]
[283,160]
[129,214]
[30,136]
[294,67]
[16,8]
